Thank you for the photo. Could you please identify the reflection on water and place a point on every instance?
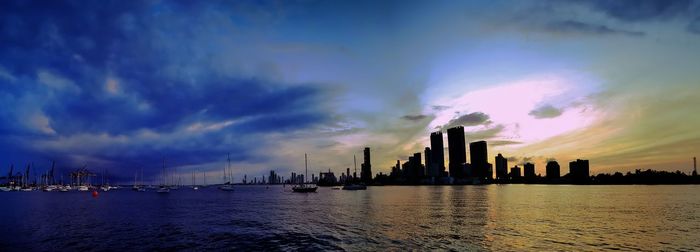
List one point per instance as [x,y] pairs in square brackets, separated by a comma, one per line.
[493,217]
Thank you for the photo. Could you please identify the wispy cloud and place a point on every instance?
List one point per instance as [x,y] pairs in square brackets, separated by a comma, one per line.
[574,27]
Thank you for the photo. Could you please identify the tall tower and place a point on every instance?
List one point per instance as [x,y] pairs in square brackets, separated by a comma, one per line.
[695,167]
[366,173]
[479,157]
[501,167]
[430,167]
[457,151]
[437,151]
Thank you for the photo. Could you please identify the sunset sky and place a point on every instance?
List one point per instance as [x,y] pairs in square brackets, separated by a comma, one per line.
[120,85]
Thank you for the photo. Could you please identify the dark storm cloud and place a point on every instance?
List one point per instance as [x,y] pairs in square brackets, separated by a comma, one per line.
[546,111]
[471,119]
[572,27]
[93,80]
[414,118]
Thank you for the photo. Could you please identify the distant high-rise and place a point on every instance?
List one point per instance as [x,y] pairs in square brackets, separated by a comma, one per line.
[457,151]
[553,170]
[479,159]
[529,169]
[501,167]
[430,167]
[366,172]
[515,172]
[695,167]
[437,150]
[418,166]
[579,170]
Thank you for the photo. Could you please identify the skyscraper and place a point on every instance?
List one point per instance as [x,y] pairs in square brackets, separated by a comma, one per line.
[529,170]
[418,166]
[553,170]
[437,150]
[479,157]
[457,151]
[366,172]
[501,167]
[430,166]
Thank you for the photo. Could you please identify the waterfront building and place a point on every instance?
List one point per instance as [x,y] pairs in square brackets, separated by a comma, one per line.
[366,172]
[529,169]
[579,170]
[479,160]
[501,167]
[515,172]
[430,166]
[457,151]
[553,170]
[437,151]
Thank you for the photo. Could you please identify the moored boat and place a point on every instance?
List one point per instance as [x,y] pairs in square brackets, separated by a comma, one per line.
[303,187]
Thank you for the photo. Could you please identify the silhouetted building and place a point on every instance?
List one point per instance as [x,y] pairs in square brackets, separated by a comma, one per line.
[273,178]
[579,170]
[431,169]
[326,178]
[501,167]
[529,169]
[418,166]
[479,160]
[437,150]
[553,170]
[396,170]
[457,151]
[695,167]
[515,172]
[366,172]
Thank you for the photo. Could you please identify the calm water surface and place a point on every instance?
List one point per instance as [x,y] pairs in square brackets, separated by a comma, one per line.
[493,217]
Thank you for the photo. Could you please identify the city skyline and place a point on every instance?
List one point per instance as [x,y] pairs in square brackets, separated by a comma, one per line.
[120,86]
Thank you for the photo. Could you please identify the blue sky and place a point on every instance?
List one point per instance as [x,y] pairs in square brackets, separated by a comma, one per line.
[121,85]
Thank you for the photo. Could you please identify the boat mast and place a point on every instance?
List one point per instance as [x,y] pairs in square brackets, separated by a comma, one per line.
[165,175]
[306,169]
[354,160]
[228,167]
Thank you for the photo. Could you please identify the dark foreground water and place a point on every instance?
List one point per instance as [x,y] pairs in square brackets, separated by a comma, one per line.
[509,217]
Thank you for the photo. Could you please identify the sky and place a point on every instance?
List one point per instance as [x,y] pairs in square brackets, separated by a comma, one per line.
[123,85]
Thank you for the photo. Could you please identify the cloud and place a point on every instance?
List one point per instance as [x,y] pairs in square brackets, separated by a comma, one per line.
[414,117]
[640,10]
[471,119]
[572,27]
[503,142]
[111,91]
[694,26]
[546,111]
[439,107]
[4,74]
[56,82]
[484,134]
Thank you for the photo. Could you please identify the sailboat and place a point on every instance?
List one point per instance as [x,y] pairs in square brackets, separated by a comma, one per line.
[194,181]
[303,187]
[351,186]
[163,187]
[227,186]
[104,187]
